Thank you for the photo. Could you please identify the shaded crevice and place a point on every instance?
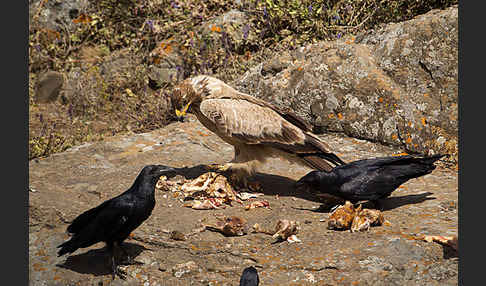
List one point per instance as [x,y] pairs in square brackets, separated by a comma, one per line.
[427,70]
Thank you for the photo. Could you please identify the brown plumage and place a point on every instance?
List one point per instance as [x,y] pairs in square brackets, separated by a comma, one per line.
[257,129]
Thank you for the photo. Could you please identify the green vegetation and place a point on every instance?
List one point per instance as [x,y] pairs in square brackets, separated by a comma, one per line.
[106,58]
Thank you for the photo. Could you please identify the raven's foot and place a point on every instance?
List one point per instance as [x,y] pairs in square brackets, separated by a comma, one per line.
[121,273]
[116,270]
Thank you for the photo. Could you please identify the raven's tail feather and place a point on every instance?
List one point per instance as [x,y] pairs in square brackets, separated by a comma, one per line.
[418,166]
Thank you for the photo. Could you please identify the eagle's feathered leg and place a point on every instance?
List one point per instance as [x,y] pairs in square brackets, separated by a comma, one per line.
[237,172]
[244,164]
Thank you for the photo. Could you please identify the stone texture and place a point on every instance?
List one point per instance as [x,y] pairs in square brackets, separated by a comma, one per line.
[48,87]
[80,178]
[231,30]
[397,85]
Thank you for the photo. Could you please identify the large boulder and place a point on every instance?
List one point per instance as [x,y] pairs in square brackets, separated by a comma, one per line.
[397,85]
[48,87]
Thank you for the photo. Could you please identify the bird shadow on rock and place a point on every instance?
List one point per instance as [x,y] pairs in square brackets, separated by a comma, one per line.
[191,172]
[384,204]
[282,186]
[395,202]
[449,252]
[271,184]
[98,261]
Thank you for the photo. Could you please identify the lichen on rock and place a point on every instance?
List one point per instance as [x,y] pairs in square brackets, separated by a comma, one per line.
[397,85]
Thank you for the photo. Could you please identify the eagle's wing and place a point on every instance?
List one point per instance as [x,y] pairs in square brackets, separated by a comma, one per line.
[249,122]
[211,87]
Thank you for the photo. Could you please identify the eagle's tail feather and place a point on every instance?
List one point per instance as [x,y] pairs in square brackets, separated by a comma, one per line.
[320,152]
[333,158]
[316,162]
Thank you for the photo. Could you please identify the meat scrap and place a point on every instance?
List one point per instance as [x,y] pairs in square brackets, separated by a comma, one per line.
[284,230]
[229,226]
[342,217]
[444,240]
[365,218]
[246,196]
[212,185]
[207,204]
[346,217]
[258,204]
[208,191]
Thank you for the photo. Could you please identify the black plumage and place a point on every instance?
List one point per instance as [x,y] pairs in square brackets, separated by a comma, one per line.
[249,277]
[114,220]
[369,179]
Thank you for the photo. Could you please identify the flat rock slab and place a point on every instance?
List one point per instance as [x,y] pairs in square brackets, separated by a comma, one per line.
[66,184]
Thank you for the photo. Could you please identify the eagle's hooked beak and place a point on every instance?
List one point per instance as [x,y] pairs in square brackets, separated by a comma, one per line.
[181,113]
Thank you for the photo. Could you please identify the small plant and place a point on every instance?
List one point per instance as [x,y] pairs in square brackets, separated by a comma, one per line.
[106,55]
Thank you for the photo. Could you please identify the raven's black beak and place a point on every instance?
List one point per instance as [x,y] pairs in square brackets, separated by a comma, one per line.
[164,170]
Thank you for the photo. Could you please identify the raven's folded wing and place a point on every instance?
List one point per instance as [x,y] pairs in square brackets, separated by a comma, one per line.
[85,218]
[98,224]
[372,184]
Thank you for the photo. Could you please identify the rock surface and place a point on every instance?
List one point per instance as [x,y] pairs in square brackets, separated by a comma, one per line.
[228,32]
[71,182]
[397,85]
[48,87]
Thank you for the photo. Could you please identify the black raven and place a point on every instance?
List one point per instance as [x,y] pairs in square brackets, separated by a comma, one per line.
[369,179]
[249,277]
[114,220]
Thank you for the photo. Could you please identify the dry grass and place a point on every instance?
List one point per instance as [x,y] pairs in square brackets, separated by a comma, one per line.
[107,57]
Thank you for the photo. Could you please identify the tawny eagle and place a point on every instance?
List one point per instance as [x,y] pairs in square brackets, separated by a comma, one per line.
[257,129]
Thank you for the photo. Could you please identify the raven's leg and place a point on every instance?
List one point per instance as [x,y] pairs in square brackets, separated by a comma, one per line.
[111,250]
[114,266]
